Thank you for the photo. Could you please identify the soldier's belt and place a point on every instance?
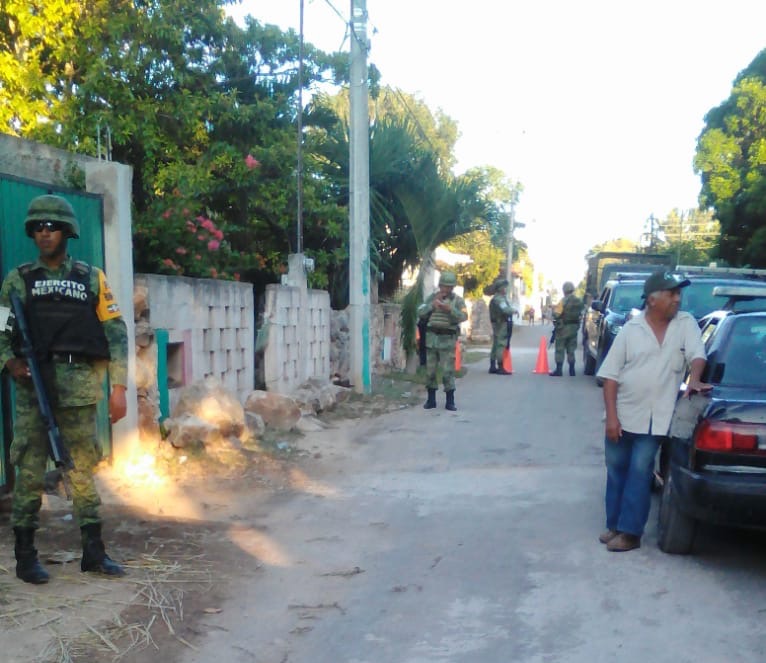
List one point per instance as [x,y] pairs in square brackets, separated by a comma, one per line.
[441,332]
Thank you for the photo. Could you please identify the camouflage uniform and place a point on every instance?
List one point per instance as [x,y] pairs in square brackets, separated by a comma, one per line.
[442,327]
[500,314]
[441,337]
[79,386]
[566,320]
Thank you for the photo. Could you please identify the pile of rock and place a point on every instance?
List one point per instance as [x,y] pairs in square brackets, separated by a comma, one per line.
[209,418]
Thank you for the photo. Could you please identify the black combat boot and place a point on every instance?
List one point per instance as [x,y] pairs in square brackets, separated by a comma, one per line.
[492,366]
[557,373]
[450,400]
[28,567]
[501,371]
[94,557]
[571,368]
[430,403]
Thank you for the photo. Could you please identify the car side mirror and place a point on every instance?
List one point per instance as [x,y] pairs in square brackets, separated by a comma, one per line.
[597,305]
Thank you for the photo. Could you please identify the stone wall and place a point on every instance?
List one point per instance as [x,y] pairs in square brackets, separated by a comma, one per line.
[478,326]
[386,351]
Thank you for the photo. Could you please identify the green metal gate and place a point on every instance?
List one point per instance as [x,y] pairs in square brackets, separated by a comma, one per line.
[16,248]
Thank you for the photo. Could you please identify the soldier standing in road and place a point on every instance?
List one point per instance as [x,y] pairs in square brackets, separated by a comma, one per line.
[443,312]
[566,324]
[501,316]
[78,333]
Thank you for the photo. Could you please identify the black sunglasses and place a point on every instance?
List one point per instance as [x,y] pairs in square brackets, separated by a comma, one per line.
[50,226]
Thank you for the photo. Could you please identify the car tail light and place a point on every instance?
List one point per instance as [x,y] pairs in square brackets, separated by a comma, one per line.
[730,436]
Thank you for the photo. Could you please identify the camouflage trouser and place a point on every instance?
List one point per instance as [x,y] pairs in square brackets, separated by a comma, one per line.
[566,340]
[29,454]
[440,352]
[499,339]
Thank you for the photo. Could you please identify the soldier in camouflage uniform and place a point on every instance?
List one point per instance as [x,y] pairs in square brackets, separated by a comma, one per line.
[79,334]
[444,311]
[501,316]
[566,323]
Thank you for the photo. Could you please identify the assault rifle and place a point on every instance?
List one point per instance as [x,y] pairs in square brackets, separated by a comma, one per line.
[56,449]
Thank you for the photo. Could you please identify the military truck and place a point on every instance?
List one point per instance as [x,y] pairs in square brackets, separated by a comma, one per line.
[605,265]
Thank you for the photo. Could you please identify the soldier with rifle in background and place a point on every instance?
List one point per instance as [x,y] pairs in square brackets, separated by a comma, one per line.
[501,316]
[77,333]
[566,324]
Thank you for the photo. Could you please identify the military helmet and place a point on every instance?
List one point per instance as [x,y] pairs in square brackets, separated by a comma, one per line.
[568,287]
[52,208]
[448,278]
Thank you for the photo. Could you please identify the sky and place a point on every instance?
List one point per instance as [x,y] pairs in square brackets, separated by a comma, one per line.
[594,106]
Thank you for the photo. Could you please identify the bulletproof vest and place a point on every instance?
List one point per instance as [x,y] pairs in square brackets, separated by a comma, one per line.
[441,320]
[495,313]
[572,309]
[62,313]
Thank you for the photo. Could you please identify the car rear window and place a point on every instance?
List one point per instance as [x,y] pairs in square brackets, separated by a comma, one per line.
[744,357]
[698,298]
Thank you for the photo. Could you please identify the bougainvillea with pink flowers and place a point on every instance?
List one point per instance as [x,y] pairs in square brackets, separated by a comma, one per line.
[190,244]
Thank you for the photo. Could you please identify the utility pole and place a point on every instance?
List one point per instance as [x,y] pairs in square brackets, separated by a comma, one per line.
[359,204]
[512,225]
[299,170]
[509,247]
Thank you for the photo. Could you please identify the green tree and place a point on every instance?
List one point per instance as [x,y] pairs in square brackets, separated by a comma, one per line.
[414,201]
[36,59]
[486,261]
[203,110]
[731,160]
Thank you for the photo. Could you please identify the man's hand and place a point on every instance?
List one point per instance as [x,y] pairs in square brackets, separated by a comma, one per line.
[613,429]
[18,369]
[118,404]
[442,304]
[696,386]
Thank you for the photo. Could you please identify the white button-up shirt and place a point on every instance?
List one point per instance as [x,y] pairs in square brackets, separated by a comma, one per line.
[648,374]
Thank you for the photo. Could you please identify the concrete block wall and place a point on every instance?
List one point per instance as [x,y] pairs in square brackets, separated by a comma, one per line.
[211,329]
[298,328]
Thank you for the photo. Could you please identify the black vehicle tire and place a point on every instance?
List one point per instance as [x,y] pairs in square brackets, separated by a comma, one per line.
[589,363]
[675,530]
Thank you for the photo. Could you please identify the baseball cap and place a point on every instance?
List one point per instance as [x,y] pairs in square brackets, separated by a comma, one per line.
[664,281]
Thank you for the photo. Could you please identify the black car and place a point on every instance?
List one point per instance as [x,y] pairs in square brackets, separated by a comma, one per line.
[699,298]
[619,299]
[714,465]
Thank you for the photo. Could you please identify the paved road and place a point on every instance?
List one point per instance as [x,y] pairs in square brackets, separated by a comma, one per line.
[470,537]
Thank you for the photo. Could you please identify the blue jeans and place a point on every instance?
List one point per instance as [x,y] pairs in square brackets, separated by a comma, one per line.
[629,471]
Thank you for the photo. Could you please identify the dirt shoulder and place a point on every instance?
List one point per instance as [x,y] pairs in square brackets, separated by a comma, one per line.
[180,531]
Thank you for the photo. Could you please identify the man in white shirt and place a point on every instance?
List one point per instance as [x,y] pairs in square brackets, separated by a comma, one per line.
[642,374]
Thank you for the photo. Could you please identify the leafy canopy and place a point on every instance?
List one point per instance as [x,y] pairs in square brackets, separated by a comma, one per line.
[731,160]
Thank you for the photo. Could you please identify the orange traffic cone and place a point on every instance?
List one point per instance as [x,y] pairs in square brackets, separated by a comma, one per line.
[507,361]
[458,356]
[542,359]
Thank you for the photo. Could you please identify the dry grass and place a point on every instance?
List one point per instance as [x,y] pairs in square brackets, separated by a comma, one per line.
[160,582]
